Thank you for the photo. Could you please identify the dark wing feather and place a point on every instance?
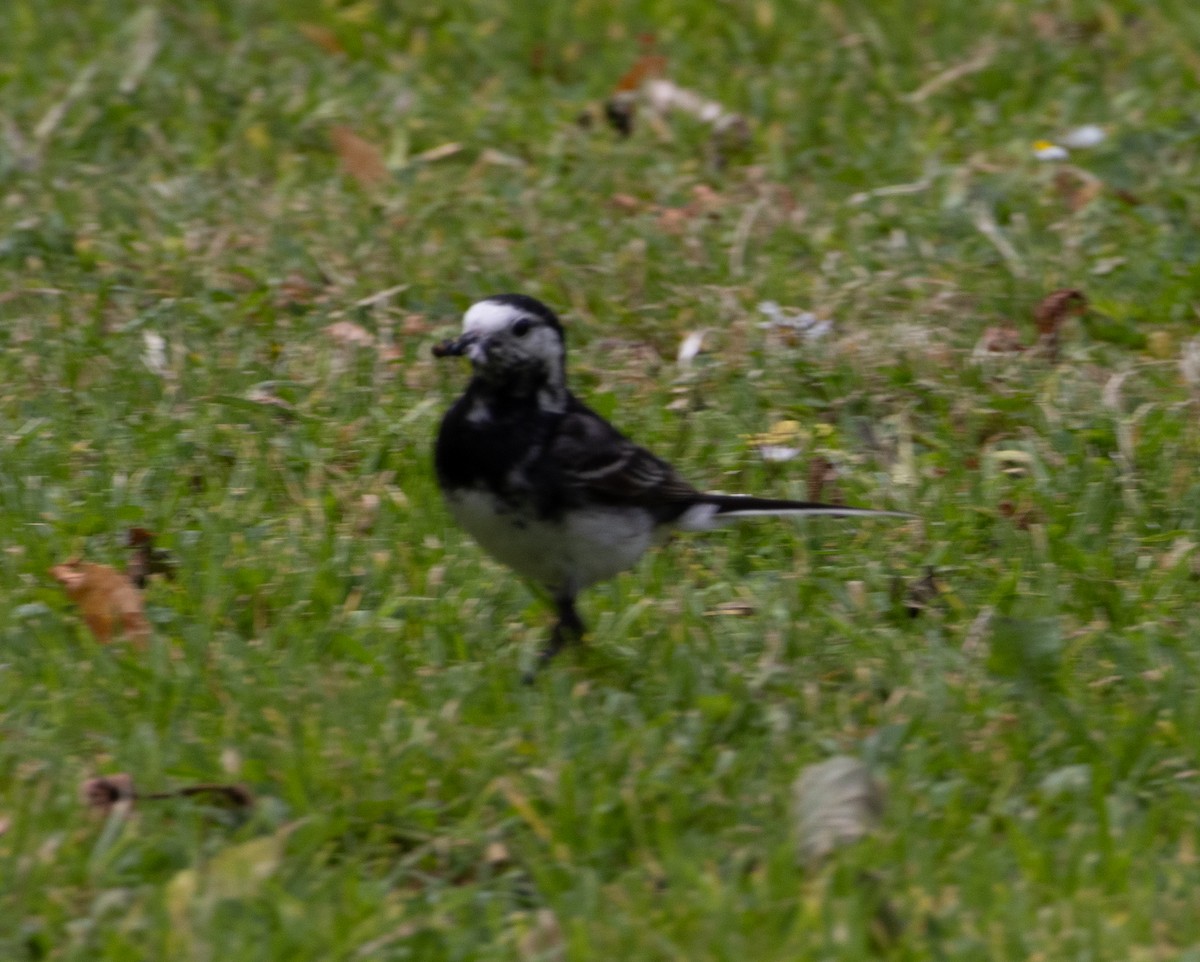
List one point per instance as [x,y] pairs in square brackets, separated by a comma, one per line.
[600,462]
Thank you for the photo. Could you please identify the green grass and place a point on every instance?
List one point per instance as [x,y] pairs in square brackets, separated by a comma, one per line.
[1038,728]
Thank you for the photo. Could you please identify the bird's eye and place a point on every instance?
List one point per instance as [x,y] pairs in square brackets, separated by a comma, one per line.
[522,326]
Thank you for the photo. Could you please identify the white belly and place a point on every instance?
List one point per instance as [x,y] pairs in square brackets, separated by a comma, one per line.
[567,555]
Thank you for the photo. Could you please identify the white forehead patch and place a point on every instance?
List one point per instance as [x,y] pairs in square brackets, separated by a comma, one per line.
[488,317]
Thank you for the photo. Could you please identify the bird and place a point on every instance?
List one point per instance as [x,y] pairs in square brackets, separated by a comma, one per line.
[546,485]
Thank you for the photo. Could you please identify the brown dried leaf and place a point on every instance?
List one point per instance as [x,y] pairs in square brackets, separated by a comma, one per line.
[359,158]
[108,793]
[497,853]
[1050,314]
[323,37]
[625,202]
[414,324]
[1000,340]
[1076,188]
[296,290]
[349,334]
[1057,307]
[109,601]
[646,66]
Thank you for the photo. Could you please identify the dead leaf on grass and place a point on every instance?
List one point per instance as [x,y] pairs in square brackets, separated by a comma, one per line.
[1050,315]
[1057,307]
[834,803]
[359,158]
[109,601]
[349,334]
[997,340]
[1077,187]
[323,37]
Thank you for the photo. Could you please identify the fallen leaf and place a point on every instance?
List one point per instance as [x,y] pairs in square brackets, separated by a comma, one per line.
[359,158]
[349,334]
[834,802]
[5,824]
[323,37]
[999,340]
[109,601]
[625,202]
[1077,187]
[296,290]
[646,66]
[1057,307]
[1050,314]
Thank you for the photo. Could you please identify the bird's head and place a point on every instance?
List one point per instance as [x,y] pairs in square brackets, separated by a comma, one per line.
[514,342]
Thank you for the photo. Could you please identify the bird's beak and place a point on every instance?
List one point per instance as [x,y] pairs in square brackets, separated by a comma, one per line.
[454,347]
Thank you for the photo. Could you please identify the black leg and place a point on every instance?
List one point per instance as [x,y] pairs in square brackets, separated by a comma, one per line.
[569,628]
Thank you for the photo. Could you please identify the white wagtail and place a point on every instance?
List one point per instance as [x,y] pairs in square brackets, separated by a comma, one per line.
[544,483]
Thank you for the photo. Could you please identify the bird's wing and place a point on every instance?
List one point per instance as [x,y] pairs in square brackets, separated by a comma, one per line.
[596,459]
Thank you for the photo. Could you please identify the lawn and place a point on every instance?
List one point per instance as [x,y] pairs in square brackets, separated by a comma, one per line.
[230,234]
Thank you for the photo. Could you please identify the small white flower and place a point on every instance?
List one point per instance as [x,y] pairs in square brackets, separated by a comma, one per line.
[1089,135]
[1047,150]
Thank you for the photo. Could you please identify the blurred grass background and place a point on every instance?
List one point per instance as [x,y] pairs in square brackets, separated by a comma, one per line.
[178,231]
